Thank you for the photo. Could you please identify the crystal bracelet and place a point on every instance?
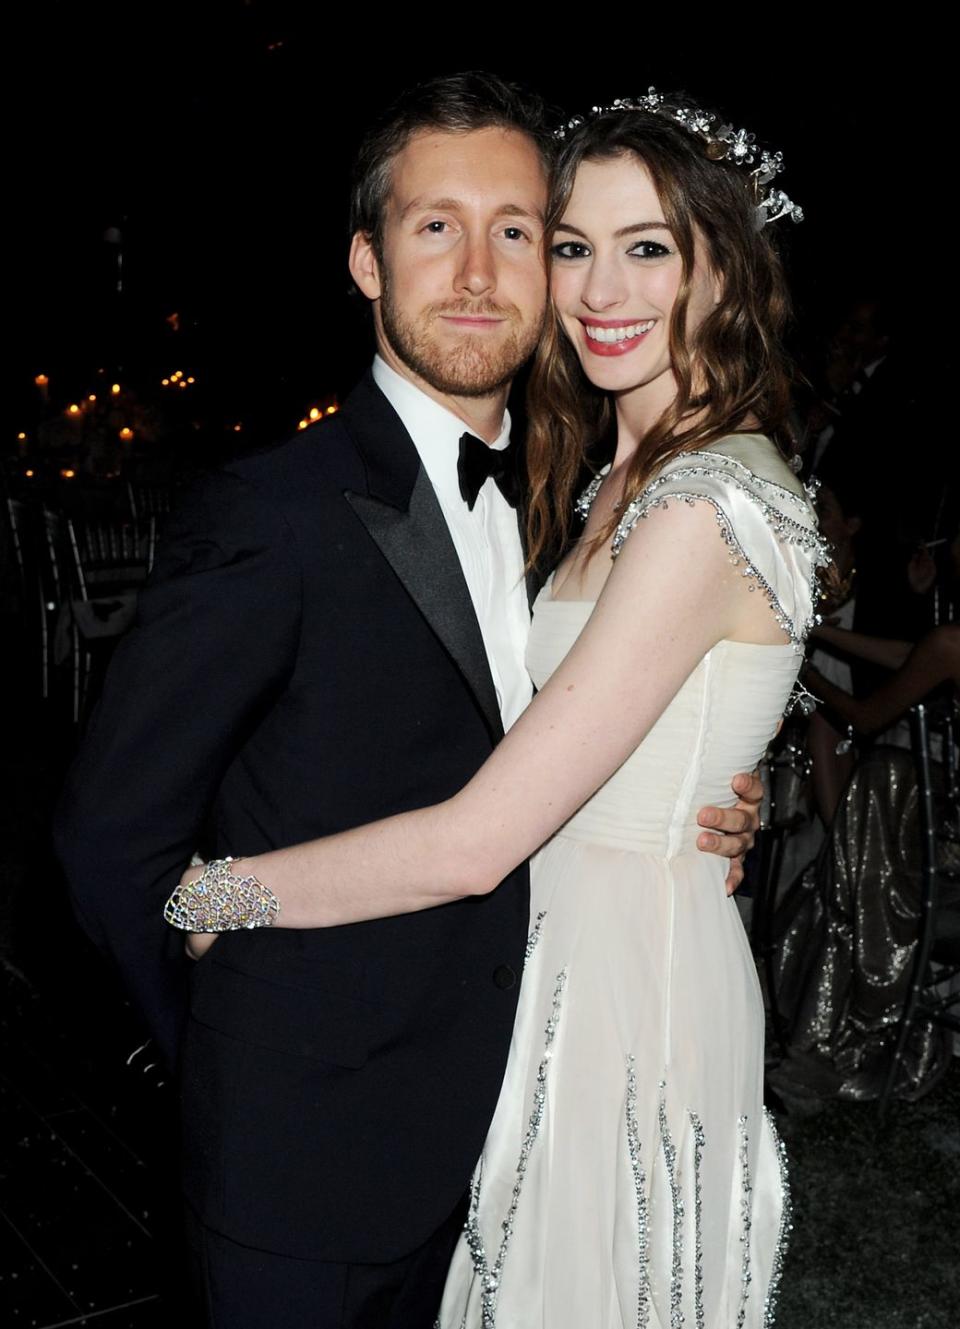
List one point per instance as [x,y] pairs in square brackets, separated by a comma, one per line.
[221,901]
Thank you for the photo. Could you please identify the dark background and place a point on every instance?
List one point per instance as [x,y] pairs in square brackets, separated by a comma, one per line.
[217,138]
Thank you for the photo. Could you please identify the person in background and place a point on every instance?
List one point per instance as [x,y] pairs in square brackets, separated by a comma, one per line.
[846,931]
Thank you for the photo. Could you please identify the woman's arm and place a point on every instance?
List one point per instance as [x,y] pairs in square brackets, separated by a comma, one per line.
[672,594]
[934,660]
[877,650]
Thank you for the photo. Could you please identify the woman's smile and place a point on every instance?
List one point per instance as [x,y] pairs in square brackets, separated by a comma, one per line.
[615,336]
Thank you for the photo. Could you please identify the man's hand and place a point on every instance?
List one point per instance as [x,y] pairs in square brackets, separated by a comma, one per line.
[922,570]
[733,829]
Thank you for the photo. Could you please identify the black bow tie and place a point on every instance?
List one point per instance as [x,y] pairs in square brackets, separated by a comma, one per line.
[478,461]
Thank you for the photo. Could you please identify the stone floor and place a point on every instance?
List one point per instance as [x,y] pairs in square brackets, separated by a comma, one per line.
[87,1215]
[876,1215]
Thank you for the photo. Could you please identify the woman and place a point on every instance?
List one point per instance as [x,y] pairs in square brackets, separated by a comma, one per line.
[629,1175]
[919,669]
[847,930]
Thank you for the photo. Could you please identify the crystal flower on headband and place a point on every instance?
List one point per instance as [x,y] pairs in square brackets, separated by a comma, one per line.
[724,143]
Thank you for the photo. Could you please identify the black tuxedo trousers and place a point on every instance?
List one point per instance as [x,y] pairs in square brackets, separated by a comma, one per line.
[306,659]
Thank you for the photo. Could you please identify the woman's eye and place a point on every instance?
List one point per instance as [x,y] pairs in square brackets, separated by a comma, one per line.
[648,249]
[570,249]
[436,227]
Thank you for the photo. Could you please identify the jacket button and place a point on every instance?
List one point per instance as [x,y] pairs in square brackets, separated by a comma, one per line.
[504,977]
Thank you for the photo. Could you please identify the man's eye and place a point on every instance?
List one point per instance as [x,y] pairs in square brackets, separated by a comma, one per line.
[570,249]
[514,233]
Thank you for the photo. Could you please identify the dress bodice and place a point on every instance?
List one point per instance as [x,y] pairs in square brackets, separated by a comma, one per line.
[719,723]
[727,710]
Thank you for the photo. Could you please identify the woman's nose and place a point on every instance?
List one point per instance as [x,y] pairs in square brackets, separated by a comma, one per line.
[604,287]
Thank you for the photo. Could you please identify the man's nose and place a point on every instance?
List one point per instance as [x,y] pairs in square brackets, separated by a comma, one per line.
[477,270]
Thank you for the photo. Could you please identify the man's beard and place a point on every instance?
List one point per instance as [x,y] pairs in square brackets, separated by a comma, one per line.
[471,369]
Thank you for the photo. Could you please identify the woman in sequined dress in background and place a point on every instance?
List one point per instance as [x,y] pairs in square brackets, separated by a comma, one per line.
[847,930]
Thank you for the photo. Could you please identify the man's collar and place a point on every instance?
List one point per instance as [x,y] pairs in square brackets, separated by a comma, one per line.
[421,412]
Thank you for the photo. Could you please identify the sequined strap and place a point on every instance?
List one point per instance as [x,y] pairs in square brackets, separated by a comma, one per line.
[738,494]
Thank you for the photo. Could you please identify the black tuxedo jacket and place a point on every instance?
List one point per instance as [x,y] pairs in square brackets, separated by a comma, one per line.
[306,659]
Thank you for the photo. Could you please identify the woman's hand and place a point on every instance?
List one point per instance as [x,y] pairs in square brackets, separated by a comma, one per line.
[198,943]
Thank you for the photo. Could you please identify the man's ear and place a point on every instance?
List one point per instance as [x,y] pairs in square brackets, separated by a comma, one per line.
[364,267]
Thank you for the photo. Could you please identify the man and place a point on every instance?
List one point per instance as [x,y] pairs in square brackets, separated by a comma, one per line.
[334,634]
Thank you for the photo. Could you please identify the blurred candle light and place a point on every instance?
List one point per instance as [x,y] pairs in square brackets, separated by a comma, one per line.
[126,433]
[68,474]
[303,424]
[191,379]
[165,382]
[238,428]
[29,474]
[115,389]
[21,437]
[332,410]
[92,397]
[314,413]
[73,409]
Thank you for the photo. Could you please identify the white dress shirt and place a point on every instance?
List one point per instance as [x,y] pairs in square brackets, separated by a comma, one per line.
[487,540]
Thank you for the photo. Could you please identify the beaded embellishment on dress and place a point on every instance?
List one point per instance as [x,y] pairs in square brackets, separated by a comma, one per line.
[692,478]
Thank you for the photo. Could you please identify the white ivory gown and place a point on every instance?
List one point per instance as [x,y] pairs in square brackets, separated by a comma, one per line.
[631,1176]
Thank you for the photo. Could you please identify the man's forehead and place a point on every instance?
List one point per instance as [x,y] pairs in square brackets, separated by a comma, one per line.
[501,167]
[452,203]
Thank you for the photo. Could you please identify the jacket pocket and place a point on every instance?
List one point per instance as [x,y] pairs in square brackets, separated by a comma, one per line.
[303,1022]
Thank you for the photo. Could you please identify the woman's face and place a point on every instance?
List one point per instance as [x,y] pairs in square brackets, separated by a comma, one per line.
[615,276]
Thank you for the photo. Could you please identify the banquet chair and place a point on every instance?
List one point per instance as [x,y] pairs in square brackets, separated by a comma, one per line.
[57,642]
[934,993]
[14,536]
[110,561]
[147,501]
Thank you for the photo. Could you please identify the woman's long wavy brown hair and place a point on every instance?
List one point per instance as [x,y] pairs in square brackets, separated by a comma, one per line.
[734,368]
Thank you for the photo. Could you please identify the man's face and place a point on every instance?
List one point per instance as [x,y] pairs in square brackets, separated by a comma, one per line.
[460,289]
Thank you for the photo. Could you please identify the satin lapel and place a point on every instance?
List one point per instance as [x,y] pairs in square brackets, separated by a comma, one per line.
[417,545]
